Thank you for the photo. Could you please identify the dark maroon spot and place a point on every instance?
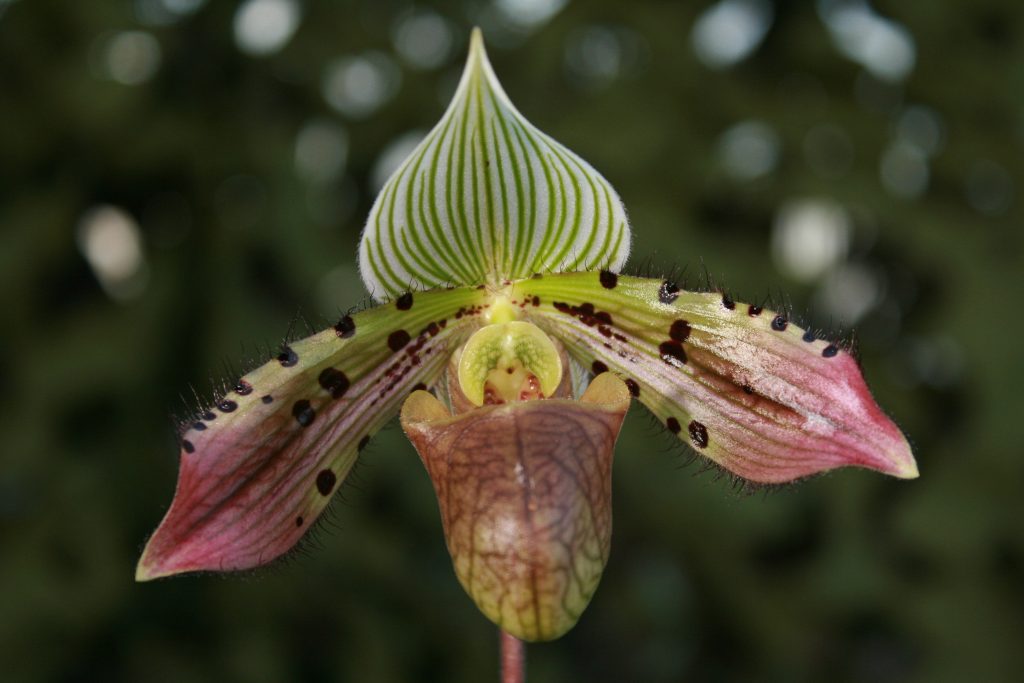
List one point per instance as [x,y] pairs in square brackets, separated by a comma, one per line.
[830,351]
[698,434]
[779,323]
[299,521]
[227,406]
[187,446]
[303,412]
[420,386]
[808,336]
[198,426]
[747,389]
[481,286]
[404,302]
[633,387]
[363,442]
[587,314]
[209,416]
[287,357]
[608,279]
[673,425]
[243,388]
[598,367]
[754,311]
[267,399]
[536,301]
[346,327]
[397,340]
[728,302]
[325,482]
[334,382]
[680,330]
[432,329]
[672,353]
[536,276]
[668,292]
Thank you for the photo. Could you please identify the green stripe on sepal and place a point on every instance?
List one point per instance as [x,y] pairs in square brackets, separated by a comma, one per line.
[487,197]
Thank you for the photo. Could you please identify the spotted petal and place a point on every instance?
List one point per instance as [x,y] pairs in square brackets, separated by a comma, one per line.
[261,465]
[488,197]
[742,385]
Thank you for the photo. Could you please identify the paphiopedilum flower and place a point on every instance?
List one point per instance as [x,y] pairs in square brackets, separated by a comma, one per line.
[512,348]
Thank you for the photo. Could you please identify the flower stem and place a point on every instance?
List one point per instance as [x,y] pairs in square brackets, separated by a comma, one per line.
[513,659]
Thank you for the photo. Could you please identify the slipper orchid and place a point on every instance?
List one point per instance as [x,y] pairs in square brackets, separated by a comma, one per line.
[512,349]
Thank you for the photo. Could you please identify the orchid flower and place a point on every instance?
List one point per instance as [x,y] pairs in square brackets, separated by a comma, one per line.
[511,346]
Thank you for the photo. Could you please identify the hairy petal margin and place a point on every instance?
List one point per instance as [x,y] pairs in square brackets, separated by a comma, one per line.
[742,385]
[259,467]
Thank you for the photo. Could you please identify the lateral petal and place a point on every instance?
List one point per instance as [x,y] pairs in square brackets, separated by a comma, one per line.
[259,467]
[743,386]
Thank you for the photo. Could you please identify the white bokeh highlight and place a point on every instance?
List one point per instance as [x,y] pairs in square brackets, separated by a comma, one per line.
[729,31]
[358,86]
[810,237]
[263,27]
[882,46]
[109,239]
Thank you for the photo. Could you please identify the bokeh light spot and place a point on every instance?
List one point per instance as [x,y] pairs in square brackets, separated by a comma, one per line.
[131,57]
[922,127]
[111,243]
[729,31]
[904,170]
[358,86]
[749,150]
[880,45]
[809,237]
[593,56]
[423,39]
[849,292]
[263,27]
[528,14]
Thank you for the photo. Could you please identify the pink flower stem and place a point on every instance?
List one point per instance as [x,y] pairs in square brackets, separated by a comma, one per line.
[513,659]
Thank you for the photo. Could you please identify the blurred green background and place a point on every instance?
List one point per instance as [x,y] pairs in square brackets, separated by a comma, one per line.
[182,181]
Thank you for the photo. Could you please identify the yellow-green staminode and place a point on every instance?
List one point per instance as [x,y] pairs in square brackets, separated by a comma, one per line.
[505,357]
